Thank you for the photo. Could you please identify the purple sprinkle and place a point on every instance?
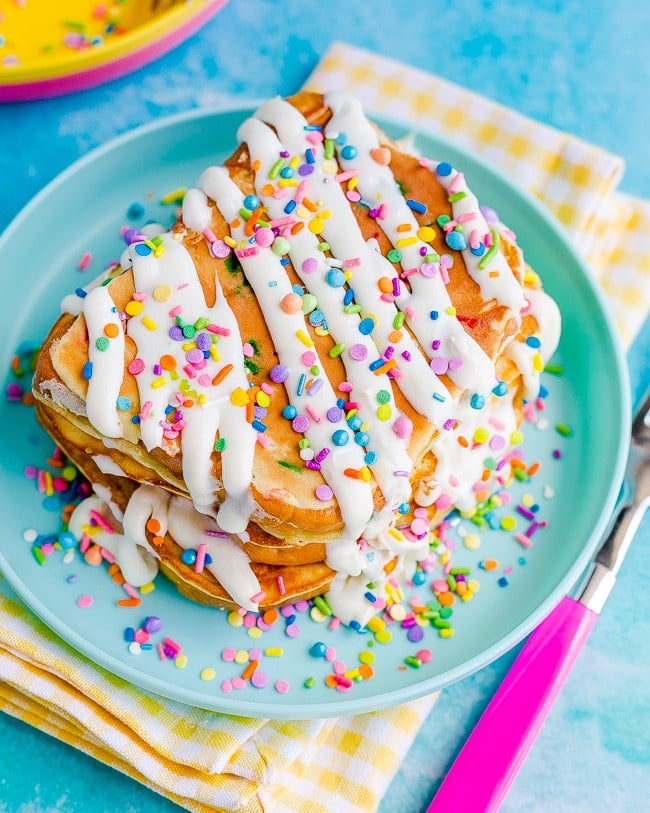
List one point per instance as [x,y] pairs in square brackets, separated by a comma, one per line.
[324,493]
[152,623]
[305,169]
[489,214]
[300,424]
[439,365]
[316,385]
[203,341]
[334,414]
[435,344]
[396,286]
[313,465]
[176,333]
[259,679]
[358,352]
[415,634]
[322,454]
[455,364]
[310,265]
[429,270]
[194,356]
[220,249]
[406,355]
[279,373]
[449,424]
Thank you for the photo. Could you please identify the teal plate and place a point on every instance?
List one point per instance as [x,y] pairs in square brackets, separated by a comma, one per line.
[82,211]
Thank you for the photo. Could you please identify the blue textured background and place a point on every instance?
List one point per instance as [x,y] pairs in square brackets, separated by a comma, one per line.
[582,67]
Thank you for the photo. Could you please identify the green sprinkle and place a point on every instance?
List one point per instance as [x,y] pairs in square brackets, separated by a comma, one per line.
[411,660]
[304,443]
[102,343]
[394,255]
[232,264]
[245,214]
[451,581]
[189,331]
[521,475]
[456,196]
[251,366]
[292,466]
[487,257]
[442,220]
[201,323]
[446,612]
[277,168]
[323,606]
[220,445]
[564,430]
[402,188]
[460,571]
[309,682]
[398,321]
[441,624]
[337,350]
[323,246]
[329,148]
[554,369]
[352,309]
[383,396]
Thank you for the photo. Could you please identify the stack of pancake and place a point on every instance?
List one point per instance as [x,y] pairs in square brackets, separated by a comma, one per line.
[307,372]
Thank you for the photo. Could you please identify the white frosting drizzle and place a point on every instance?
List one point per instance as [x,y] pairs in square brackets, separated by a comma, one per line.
[107,365]
[378,186]
[271,284]
[175,270]
[419,384]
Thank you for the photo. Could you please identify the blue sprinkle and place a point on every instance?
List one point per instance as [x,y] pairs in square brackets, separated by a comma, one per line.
[335,278]
[340,437]
[416,205]
[354,422]
[477,401]
[142,250]
[309,155]
[318,650]
[434,315]
[375,365]
[355,625]
[349,152]
[419,577]
[123,403]
[129,634]
[316,317]
[362,438]
[298,289]
[312,127]
[456,239]
[188,557]
[501,388]
[289,412]
[479,251]
[284,261]
[370,596]
[443,169]
[135,211]
[80,293]
[349,296]
[366,326]
[301,384]
[287,172]
[290,207]
[403,508]
[543,392]
[533,341]
[341,138]
[503,582]
[438,397]
[340,403]
[258,426]
[88,370]
[208,559]
[135,419]
[146,647]
[67,540]
[370,458]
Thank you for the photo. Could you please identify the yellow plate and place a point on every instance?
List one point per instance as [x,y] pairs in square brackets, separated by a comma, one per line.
[45,44]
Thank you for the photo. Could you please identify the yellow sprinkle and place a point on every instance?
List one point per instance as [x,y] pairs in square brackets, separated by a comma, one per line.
[317,616]
[508,523]
[161,293]
[397,612]
[229,241]
[384,412]
[472,541]
[188,346]
[303,212]
[149,587]
[481,435]
[149,323]
[173,375]
[406,241]
[473,585]
[157,383]
[255,632]
[173,197]
[446,633]
[241,656]
[321,331]
[214,353]
[366,656]
[426,234]
[325,214]
[284,182]
[538,362]
[467,595]
[134,308]
[528,500]
[444,558]
[353,183]
[396,534]
[234,619]
[159,250]
[316,225]
[451,310]
[364,474]
[202,399]
[274,651]
[351,674]
[262,399]
[383,637]
[329,167]
[516,437]
[304,338]
[239,397]
[294,161]
[208,674]
[180,661]
[376,624]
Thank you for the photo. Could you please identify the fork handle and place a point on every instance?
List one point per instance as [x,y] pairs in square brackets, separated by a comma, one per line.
[495,750]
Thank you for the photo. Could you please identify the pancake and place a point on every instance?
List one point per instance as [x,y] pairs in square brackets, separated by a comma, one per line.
[331,332]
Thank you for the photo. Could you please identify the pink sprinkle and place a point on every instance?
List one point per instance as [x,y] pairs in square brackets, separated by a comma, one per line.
[201,551]
[267,388]
[353,196]
[250,620]
[339,667]
[238,682]
[289,220]
[161,652]
[466,217]
[171,644]
[524,541]
[99,519]
[456,182]
[381,212]
[345,176]
[281,588]
[314,414]
[176,311]
[247,349]
[228,654]
[352,262]
[130,590]
[84,262]
[258,597]
[84,543]
[300,192]
[343,683]
[410,314]
[314,137]
[345,386]
[292,630]
[84,601]
[443,502]
[308,358]
[220,331]
[205,380]
[330,655]
[260,679]
[424,655]
[420,526]
[107,555]
[487,239]
[220,249]
[209,235]
[226,686]
[507,570]
[334,623]
[189,371]
[146,409]
[263,440]
[324,493]
[282,686]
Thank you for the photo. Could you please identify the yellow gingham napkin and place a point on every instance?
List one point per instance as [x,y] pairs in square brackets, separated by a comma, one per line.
[206,761]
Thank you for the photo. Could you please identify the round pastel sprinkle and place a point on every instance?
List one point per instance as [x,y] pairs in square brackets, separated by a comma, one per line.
[472,541]
[259,679]
[415,634]
[30,535]
[220,249]
[208,674]
[264,237]
[291,303]
[349,152]
[324,493]
[424,655]
[309,303]
[366,326]
[142,249]
[477,401]
[161,293]
[340,437]
[334,414]
[516,438]
[102,343]
[439,365]
[318,650]
[279,373]
[508,523]
[335,277]
[133,308]
[456,240]
[443,169]
[85,601]
[310,265]
[394,255]
[280,246]
[403,427]
[292,630]
[282,686]
[123,403]
[384,412]
[289,412]
[358,351]
[300,424]
[135,648]
[426,234]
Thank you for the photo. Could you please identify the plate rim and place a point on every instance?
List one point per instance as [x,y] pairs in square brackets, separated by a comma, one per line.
[343,705]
